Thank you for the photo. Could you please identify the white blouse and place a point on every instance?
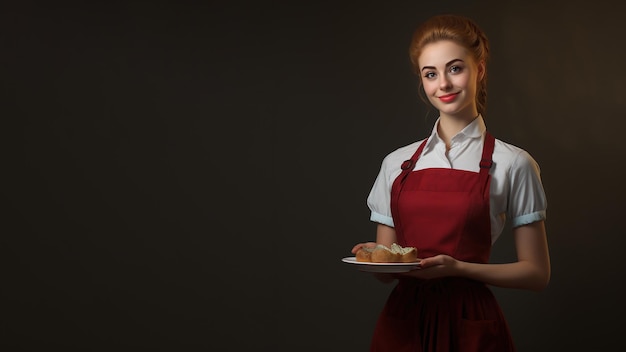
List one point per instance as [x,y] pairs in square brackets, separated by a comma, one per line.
[516,190]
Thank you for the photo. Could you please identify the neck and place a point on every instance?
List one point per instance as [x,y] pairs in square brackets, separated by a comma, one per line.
[449,126]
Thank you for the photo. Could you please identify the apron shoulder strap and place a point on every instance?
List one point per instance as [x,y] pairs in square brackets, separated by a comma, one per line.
[486,162]
[408,165]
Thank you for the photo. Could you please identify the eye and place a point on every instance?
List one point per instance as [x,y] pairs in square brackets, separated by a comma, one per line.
[429,75]
[456,69]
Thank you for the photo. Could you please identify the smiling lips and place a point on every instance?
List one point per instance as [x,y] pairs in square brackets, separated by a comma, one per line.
[448,97]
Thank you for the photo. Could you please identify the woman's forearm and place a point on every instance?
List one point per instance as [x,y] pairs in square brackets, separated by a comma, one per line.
[520,275]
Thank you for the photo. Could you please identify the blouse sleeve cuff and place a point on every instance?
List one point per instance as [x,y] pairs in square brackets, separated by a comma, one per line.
[528,218]
[382,219]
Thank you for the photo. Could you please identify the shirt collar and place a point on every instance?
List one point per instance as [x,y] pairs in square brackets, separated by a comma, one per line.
[474,130]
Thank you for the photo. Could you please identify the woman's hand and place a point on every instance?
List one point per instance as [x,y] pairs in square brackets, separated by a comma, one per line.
[365,244]
[435,267]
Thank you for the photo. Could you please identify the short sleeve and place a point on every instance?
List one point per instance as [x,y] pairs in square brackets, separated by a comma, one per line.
[527,199]
[379,198]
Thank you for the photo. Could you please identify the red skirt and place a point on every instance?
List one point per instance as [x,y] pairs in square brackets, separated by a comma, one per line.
[449,314]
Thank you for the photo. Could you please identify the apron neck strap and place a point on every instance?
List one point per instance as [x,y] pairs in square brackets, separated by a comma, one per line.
[486,161]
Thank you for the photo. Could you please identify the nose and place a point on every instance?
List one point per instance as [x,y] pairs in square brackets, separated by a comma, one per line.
[444,82]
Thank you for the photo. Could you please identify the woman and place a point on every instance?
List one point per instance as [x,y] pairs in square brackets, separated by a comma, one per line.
[449,196]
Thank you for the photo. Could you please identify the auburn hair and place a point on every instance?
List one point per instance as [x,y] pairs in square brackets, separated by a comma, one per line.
[460,30]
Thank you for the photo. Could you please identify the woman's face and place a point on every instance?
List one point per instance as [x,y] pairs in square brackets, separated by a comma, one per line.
[450,75]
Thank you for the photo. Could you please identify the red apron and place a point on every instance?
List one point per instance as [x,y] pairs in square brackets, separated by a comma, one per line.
[443,211]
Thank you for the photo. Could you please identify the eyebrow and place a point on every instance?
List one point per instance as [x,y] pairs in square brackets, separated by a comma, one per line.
[447,64]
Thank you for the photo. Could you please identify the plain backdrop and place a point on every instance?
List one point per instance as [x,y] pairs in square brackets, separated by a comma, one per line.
[178,176]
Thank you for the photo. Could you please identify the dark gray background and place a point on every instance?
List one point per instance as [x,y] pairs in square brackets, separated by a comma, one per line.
[178,176]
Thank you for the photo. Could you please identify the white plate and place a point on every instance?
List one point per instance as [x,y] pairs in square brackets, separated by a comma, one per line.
[381,267]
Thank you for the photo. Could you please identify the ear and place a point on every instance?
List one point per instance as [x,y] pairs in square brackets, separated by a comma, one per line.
[482,70]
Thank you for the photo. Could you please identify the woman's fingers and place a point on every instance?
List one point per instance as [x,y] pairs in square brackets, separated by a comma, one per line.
[365,244]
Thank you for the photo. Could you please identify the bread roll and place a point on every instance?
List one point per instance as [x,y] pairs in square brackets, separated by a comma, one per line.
[364,254]
[383,254]
[407,254]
